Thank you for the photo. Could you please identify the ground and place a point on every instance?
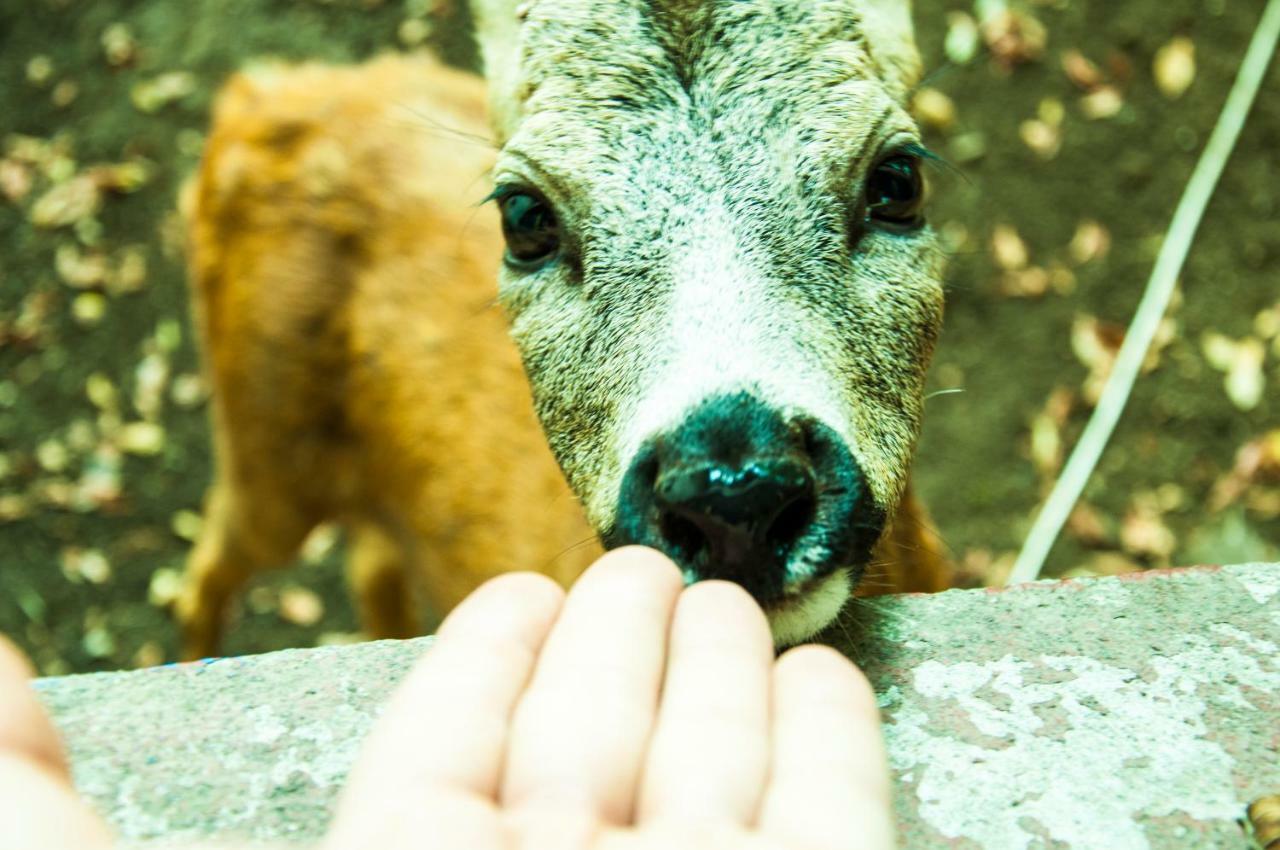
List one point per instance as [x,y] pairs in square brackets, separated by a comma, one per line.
[1067,131]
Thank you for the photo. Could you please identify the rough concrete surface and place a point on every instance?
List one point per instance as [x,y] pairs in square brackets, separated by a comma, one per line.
[1109,714]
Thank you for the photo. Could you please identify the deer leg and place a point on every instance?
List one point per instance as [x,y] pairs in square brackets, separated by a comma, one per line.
[378,572]
[235,542]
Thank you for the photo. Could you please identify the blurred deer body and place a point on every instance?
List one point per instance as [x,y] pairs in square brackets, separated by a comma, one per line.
[362,371]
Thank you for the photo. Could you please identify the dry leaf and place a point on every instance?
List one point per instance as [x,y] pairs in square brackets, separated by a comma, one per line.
[1046,433]
[79,270]
[1013,36]
[319,543]
[119,45]
[1080,71]
[934,109]
[1103,102]
[15,180]
[100,484]
[1044,139]
[1091,242]
[186,524]
[1031,282]
[1104,564]
[141,438]
[1242,362]
[1008,249]
[67,203]
[962,39]
[1257,461]
[150,654]
[80,565]
[1175,67]
[1087,525]
[1267,323]
[1143,533]
[300,606]
[88,308]
[1095,344]
[154,94]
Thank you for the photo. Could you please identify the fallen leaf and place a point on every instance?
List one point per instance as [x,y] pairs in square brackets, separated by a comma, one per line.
[186,525]
[1082,73]
[320,542]
[1257,461]
[64,94]
[962,39]
[1046,433]
[1031,282]
[80,565]
[119,45]
[1103,102]
[301,606]
[1091,242]
[934,109]
[1175,67]
[1242,362]
[100,479]
[1087,525]
[155,94]
[1266,324]
[15,180]
[1143,534]
[39,70]
[88,308]
[1104,564]
[141,438]
[1095,344]
[1044,140]
[67,203]
[165,587]
[1014,36]
[1008,248]
[79,270]
[150,654]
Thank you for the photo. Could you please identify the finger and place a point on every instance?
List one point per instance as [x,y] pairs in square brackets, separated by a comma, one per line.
[25,729]
[710,750]
[446,727]
[829,784]
[39,809]
[581,730]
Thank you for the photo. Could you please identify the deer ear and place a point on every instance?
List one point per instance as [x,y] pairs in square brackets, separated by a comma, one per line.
[891,37]
[497,24]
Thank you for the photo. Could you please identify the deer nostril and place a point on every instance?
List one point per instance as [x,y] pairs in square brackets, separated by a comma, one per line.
[732,513]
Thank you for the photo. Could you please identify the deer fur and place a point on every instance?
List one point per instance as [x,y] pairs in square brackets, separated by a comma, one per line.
[362,372]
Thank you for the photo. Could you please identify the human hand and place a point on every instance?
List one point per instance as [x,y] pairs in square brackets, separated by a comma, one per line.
[632,715]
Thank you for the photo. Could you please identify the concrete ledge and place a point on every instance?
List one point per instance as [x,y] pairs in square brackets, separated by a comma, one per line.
[1132,712]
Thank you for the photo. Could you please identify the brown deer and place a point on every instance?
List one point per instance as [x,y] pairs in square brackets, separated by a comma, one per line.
[717,274]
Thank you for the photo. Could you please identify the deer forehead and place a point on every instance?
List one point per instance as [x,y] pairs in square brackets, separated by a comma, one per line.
[626,54]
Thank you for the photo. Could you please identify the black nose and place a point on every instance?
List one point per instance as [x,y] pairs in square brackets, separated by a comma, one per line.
[737,510]
[739,491]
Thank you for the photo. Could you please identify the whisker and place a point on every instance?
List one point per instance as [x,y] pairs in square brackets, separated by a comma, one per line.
[427,122]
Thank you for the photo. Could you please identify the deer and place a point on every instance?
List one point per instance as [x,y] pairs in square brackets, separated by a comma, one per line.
[699,321]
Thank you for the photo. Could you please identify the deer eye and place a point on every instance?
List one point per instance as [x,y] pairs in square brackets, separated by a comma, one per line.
[895,192]
[530,227]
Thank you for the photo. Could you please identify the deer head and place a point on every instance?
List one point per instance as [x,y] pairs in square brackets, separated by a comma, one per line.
[719,274]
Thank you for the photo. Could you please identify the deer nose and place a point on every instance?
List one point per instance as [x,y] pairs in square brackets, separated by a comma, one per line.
[736,510]
[740,490]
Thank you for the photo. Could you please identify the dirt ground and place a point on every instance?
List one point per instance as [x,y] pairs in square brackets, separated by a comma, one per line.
[1070,129]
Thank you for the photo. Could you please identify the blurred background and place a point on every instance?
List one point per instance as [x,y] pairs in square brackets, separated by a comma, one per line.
[1070,129]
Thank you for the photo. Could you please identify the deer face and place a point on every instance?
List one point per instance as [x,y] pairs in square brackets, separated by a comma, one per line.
[719,275]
